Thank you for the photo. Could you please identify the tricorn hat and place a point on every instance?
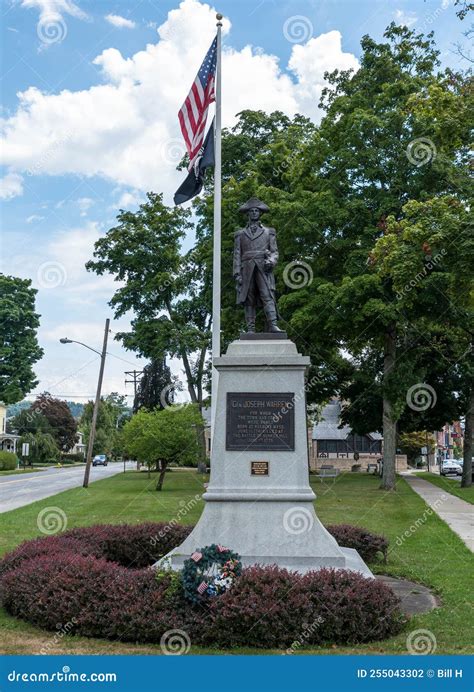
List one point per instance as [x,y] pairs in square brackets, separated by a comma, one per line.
[254,203]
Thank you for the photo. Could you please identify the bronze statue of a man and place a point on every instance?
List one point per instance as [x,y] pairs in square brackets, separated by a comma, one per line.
[255,255]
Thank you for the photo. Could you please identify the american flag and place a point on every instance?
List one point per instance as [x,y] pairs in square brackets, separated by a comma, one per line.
[202,587]
[193,113]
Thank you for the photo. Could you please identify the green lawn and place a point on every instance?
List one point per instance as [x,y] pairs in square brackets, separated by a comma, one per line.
[427,552]
[450,485]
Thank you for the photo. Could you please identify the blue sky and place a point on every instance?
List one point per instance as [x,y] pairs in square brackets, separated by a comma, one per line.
[90,92]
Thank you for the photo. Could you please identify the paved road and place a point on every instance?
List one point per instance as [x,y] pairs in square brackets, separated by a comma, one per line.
[457,513]
[18,491]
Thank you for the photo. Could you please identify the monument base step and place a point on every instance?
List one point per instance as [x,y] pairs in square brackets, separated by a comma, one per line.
[262,336]
[269,533]
[351,561]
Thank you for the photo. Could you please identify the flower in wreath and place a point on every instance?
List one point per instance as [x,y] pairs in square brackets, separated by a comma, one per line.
[209,572]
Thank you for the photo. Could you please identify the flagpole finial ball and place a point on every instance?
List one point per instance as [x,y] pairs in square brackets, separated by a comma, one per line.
[219,16]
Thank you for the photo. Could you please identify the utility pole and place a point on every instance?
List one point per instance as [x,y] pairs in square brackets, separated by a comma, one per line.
[96,407]
[134,375]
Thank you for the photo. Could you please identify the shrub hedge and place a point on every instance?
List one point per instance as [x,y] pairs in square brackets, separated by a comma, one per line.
[70,458]
[369,545]
[99,579]
[8,461]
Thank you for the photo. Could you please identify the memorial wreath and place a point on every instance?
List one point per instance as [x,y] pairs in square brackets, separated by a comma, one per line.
[209,572]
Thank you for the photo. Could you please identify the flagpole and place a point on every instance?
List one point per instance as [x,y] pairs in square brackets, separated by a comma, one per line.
[216,264]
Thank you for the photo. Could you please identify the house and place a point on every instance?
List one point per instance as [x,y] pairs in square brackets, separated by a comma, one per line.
[8,441]
[79,447]
[336,445]
[449,442]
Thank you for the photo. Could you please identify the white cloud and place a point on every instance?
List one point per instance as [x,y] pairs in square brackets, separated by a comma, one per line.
[120,22]
[51,8]
[34,217]
[11,185]
[129,199]
[126,129]
[84,204]
[405,18]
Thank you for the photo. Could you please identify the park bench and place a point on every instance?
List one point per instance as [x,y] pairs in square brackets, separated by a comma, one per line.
[327,471]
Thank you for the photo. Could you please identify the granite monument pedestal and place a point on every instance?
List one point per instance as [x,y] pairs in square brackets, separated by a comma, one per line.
[259,502]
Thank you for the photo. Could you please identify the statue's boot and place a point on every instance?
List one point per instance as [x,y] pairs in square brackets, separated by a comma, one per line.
[250,315]
[271,317]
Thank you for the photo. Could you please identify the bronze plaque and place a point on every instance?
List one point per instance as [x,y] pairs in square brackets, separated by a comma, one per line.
[259,468]
[262,422]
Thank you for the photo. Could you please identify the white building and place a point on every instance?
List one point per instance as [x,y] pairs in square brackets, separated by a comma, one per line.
[7,440]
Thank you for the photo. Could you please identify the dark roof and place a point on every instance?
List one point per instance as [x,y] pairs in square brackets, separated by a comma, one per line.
[328,427]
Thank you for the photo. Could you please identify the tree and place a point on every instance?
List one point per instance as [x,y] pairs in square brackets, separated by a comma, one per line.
[164,436]
[112,416]
[30,421]
[168,290]
[156,387]
[412,443]
[19,349]
[43,448]
[106,426]
[59,417]
[393,132]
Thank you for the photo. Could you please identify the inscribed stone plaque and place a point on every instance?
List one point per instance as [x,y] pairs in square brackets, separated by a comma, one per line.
[259,468]
[264,422]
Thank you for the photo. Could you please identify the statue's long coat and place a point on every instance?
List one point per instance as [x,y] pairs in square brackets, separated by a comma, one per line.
[250,252]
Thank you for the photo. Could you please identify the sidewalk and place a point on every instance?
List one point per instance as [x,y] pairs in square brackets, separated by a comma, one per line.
[457,513]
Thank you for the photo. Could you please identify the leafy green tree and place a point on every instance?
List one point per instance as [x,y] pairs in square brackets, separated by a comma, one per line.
[411,444]
[29,421]
[43,448]
[106,427]
[19,349]
[428,255]
[395,131]
[63,425]
[163,437]
[168,289]
[112,415]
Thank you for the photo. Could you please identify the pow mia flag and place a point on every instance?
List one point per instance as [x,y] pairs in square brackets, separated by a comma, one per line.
[192,186]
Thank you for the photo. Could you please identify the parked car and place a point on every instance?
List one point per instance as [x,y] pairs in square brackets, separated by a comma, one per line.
[100,460]
[451,467]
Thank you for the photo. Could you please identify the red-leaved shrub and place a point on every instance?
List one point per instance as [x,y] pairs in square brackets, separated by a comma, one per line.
[271,607]
[98,579]
[131,545]
[368,545]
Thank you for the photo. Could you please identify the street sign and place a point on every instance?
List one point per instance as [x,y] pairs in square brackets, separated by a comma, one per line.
[25,449]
